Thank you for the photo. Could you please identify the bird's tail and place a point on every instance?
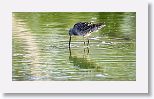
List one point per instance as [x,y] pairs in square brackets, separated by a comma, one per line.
[96,27]
[100,25]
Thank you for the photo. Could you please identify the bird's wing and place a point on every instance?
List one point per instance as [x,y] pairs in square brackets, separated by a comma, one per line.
[86,27]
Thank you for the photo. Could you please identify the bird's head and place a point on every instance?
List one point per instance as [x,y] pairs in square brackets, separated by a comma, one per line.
[71,32]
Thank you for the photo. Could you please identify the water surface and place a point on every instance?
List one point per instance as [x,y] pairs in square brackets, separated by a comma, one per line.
[41,52]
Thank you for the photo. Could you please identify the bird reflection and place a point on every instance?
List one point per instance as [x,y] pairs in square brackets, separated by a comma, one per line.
[82,62]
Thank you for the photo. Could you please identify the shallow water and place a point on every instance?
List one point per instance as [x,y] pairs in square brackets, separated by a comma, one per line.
[41,52]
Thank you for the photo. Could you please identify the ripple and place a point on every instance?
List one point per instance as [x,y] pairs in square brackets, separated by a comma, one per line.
[41,51]
[100,75]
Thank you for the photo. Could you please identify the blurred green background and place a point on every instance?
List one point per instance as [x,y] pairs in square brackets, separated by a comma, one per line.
[41,53]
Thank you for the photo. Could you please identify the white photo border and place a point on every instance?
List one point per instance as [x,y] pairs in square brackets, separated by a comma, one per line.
[138,86]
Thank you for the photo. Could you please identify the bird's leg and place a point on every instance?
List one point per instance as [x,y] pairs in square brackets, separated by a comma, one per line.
[69,41]
[88,42]
[84,43]
[70,51]
[84,40]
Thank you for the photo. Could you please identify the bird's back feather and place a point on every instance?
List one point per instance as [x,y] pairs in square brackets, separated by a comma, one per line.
[82,28]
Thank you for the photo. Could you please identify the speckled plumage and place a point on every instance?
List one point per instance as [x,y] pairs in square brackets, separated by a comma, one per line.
[84,28]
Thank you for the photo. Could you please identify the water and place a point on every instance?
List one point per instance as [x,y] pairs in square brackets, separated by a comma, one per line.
[41,52]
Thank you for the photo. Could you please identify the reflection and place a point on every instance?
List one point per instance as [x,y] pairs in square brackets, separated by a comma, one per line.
[83,62]
[40,42]
[86,49]
[30,51]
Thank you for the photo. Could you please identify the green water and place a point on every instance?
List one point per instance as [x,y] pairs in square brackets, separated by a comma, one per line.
[41,53]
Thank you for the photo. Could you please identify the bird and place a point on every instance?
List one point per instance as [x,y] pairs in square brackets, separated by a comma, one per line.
[84,29]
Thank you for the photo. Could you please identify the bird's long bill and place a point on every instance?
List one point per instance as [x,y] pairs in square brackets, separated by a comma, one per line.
[69,41]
